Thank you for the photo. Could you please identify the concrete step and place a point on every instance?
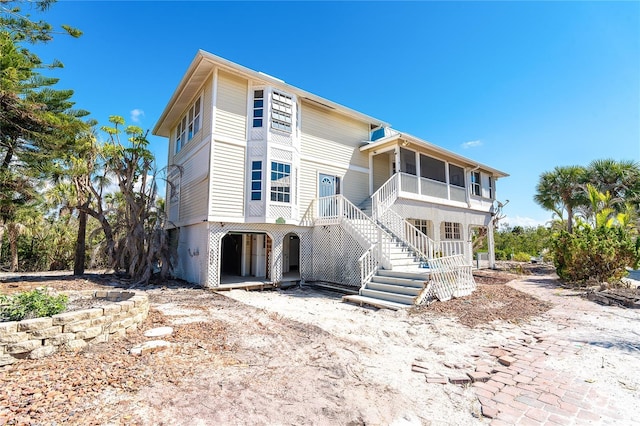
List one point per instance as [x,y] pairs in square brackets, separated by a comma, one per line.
[400,281]
[363,300]
[394,288]
[410,273]
[388,297]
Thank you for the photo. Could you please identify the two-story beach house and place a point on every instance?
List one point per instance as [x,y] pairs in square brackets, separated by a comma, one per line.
[268,182]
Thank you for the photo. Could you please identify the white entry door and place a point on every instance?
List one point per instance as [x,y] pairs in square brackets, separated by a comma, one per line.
[328,186]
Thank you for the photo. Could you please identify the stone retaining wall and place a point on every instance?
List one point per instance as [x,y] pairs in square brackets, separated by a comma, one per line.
[40,337]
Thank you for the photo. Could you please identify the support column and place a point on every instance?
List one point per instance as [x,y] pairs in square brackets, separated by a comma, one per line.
[490,245]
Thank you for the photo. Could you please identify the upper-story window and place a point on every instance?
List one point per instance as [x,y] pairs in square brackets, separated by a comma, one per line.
[280,182]
[476,188]
[258,107]
[281,111]
[256,180]
[456,175]
[189,125]
[492,187]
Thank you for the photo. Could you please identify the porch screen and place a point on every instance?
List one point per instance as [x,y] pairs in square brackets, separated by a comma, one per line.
[431,168]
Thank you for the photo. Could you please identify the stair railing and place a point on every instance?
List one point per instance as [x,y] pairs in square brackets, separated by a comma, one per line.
[336,209]
[421,244]
[368,266]
[385,196]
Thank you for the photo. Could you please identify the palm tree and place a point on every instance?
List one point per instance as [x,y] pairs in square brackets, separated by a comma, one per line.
[560,190]
[621,179]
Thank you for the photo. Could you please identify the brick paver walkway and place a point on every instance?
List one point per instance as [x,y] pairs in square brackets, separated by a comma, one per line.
[522,390]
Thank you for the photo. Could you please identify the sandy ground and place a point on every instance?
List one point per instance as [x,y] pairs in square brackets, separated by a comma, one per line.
[302,357]
[336,363]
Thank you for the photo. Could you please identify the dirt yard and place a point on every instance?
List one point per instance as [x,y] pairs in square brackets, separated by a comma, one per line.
[300,356]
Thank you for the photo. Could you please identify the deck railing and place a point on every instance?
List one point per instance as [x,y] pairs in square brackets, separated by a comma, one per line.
[451,248]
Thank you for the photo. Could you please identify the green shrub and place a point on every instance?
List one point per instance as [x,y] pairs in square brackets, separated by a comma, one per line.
[600,254]
[501,255]
[522,257]
[31,304]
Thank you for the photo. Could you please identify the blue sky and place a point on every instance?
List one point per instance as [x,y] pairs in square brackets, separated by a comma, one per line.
[522,87]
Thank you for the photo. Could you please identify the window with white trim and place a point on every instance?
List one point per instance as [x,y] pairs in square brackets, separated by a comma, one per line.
[280,182]
[452,231]
[476,188]
[256,180]
[189,125]
[281,111]
[422,225]
[492,187]
[258,107]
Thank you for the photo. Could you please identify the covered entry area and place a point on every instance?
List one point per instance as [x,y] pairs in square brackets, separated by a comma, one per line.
[245,258]
[291,257]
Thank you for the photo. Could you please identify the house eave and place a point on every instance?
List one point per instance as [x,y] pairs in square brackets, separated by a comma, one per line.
[372,146]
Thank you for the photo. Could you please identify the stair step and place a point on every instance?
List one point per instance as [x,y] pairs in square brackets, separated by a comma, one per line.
[388,297]
[363,300]
[401,281]
[405,274]
[394,288]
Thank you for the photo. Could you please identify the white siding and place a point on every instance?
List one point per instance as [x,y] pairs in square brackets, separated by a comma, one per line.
[193,254]
[205,126]
[332,137]
[354,184]
[231,108]
[227,180]
[381,170]
[193,186]
[193,201]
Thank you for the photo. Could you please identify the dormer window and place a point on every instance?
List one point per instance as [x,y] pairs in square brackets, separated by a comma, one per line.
[281,111]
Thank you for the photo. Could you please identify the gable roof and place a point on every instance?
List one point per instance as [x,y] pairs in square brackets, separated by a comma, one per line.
[200,69]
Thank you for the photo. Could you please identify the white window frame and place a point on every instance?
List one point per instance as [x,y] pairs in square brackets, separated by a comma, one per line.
[256,178]
[422,225]
[281,111]
[279,192]
[492,187]
[476,184]
[258,106]
[189,125]
[452,231]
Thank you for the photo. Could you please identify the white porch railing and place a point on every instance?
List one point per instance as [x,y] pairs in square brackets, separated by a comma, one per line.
[451,248]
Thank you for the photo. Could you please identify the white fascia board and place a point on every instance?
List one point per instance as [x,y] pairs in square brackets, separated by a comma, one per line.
[432,147]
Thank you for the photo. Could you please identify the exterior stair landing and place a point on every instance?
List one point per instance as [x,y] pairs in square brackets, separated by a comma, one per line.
[393,289]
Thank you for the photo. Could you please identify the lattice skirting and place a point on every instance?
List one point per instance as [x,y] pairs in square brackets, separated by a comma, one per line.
[275,232]
[335,256]
[327,253]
